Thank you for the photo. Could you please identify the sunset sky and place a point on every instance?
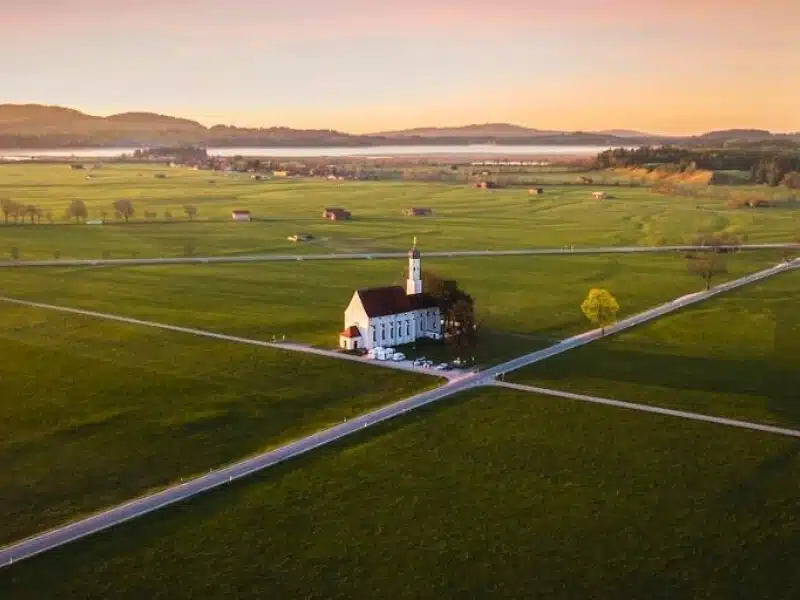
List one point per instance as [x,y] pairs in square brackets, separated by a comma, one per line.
[677,66]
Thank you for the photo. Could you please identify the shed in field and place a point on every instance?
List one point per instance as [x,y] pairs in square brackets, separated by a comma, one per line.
[241,215]
[336,214]
[418,212]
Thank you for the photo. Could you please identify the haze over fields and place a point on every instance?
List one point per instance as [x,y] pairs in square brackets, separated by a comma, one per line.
[677,67]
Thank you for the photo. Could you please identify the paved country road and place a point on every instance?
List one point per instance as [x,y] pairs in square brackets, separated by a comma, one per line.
[123,262]
[651,409]
[147,504]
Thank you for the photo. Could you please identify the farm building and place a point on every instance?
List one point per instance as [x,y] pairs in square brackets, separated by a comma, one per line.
[280,173]
[535,191]
[336,214]
[77,167]
[599,195]
[301,237]
[160,175]
[484,185]
[418,212]
[758,203]
[256,177]
[241,215]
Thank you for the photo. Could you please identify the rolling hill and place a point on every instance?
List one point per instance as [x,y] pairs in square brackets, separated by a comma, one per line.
[39,126]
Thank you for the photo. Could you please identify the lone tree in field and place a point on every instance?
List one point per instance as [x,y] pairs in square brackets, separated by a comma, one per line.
[707,265]
[124,208]
[77,210]
[191,211]
[601,308]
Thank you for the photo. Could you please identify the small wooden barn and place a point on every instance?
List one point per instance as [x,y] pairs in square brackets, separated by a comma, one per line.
[336,214]
[418,212]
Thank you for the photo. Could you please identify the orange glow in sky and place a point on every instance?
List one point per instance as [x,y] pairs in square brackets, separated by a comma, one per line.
[674,66]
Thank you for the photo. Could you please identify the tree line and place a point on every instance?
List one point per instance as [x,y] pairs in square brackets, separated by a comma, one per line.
[764,167]
[77,210]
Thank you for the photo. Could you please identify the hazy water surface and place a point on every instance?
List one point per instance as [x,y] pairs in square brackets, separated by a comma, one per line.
[367,152]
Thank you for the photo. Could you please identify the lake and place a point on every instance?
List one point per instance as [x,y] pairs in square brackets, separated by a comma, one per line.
[364,152]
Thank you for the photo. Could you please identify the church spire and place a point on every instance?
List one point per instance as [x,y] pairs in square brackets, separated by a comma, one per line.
[414,281]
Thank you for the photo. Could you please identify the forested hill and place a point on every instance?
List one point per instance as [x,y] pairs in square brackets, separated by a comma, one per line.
[38,126]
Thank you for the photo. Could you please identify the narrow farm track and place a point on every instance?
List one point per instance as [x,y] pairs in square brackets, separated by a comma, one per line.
[652,409]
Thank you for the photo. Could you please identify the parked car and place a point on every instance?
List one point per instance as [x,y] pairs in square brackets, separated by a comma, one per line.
[418,362]
[398,356]
[443,367]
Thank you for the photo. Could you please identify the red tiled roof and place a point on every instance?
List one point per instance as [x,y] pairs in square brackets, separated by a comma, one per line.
[240,212]
[351,332]
[393,300]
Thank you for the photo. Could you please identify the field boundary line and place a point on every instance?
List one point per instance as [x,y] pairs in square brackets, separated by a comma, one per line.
[692,416]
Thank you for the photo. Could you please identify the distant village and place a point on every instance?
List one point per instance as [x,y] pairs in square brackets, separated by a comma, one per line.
[343,168]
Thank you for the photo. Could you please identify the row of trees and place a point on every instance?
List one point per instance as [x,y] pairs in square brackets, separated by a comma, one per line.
[19,212]
[123,209]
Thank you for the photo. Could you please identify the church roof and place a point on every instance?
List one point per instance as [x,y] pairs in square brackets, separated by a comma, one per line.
[393,300]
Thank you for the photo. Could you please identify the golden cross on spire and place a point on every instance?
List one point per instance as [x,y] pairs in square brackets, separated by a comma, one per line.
[415,241]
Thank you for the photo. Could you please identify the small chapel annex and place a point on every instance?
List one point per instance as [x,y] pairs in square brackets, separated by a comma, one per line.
[391,316]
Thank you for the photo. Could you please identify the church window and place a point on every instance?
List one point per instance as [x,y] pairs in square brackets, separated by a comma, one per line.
[408,327]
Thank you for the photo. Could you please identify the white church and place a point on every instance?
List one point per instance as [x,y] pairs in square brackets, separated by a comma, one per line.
[391,316]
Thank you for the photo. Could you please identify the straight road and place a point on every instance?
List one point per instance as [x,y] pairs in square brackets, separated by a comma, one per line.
[652,409]
[188,260]
[147,504]
[293,347]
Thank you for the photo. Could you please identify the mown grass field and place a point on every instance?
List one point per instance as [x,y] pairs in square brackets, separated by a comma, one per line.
[734,356]
[522,303]
[493,494]
[94,413]
[464,218]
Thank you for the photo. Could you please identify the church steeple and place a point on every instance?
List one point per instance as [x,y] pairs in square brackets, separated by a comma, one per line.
[414,281]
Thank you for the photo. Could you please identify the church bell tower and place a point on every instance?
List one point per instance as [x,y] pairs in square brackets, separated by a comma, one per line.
[414,281]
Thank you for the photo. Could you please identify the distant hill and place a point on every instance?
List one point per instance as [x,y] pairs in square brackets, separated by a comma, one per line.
[39,126]
[630,133]
[737,134]
[495,130]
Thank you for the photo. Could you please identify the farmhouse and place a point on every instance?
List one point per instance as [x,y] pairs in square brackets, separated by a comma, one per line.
[418,212]
[240,215]
[336,214]
[484,185]
[599,195]
[535,191]
[301,237]
[389,316]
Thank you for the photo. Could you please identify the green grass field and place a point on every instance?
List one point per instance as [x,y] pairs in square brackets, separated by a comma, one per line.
[522,303]
[734,356]
[492,495]
[464,218]
[94,413]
